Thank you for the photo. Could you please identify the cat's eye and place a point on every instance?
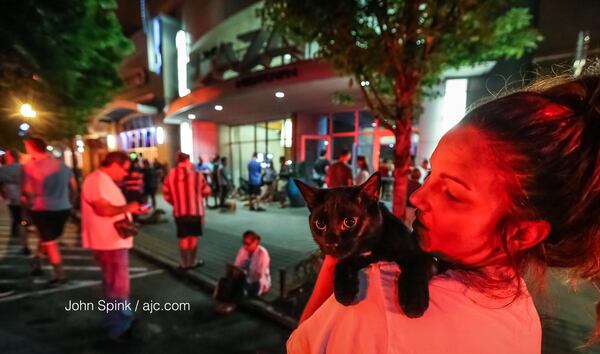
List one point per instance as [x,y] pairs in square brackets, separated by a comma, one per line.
[349,223]
[320,224]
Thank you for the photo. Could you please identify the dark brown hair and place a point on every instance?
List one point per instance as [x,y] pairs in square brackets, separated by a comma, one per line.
[546,139]
[38,144]
[118,157]
[251,234]
[182,157]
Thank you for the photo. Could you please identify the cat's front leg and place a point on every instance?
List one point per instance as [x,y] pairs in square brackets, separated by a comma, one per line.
[345,280]
[413,284]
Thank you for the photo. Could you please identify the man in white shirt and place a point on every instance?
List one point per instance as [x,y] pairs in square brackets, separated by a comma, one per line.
[102,204]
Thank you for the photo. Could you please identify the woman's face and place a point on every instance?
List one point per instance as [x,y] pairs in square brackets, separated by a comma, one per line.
[461,202]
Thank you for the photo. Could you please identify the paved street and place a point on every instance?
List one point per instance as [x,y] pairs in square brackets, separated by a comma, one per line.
[34,319]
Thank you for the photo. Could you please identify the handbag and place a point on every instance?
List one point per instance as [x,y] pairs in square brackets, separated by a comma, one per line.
[126,228]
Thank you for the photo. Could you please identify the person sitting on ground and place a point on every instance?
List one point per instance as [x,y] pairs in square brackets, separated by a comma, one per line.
[249,275]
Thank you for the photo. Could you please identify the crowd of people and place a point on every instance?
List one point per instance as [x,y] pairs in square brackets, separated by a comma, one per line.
[43,190]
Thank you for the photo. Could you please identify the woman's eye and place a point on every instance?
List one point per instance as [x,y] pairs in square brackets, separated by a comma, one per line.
[349,223]
[452,197]
[320,224]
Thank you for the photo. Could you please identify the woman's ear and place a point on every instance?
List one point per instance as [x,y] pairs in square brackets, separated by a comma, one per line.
[528,234]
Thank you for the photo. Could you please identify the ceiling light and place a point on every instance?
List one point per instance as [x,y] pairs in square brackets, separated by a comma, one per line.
[279,94]
[191,116]
[218,107]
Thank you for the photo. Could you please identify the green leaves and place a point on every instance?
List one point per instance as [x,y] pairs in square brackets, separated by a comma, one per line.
[403,46]
[73,47]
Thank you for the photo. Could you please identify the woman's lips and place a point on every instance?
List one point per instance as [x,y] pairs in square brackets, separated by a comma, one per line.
[418,223]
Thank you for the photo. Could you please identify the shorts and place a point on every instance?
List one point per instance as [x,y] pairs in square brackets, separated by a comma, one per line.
[253,189]
[188,226]
[50,223]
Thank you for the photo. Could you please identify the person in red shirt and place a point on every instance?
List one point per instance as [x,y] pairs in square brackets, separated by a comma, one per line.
[339,174]
[184,189]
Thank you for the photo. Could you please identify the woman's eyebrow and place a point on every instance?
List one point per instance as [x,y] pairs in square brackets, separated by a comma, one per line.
[455,179]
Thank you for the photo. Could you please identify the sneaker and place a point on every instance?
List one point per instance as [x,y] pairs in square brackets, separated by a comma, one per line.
[57,282]
[260,209]
[198,263]
[225,308]
[37,272]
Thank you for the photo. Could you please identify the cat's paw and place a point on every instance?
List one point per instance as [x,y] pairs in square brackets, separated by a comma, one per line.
[345,288]
[414,300]
[345,297]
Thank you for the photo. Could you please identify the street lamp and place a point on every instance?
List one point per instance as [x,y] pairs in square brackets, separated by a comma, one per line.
[27,111]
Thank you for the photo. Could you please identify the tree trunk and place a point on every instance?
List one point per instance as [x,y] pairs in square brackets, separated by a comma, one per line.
[402,133]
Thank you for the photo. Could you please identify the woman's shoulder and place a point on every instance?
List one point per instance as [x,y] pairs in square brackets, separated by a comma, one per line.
[458,322]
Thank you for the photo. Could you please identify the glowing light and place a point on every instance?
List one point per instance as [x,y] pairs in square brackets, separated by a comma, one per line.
[365,83]
[2,152]
[80,149]
[191,116]
[287,128]
[287,57]
[264,164]
[260,157]
[111,142]
[455,101]
[183,58]
[288,162]
[160,135]
[279,94]
[187,144]
[27,111]
[269,156]
[24,127]
[218,107]
[326,143]
[373,124]
[80,143]
[49,147]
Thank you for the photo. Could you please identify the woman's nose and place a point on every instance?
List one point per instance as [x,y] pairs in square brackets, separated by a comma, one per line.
[418,199]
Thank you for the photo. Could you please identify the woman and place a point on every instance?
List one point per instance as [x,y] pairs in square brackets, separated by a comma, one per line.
[362,174]
[514,186]
[185,189]
[249,275]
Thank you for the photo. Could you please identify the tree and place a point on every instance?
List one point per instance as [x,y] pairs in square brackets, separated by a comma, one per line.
[398,50]
[62,55]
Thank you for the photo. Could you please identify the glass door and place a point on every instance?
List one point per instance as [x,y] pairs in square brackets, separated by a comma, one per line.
[311,148]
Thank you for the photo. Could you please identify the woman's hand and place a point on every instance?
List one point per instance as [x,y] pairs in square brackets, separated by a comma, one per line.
[323,288]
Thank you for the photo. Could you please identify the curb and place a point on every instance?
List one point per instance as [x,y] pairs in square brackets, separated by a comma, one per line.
[208,285]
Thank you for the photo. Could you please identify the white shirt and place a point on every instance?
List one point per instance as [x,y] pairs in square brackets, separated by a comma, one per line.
[459,320]
[98,232]
[259,263]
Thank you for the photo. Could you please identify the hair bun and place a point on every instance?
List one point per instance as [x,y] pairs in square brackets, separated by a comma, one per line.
[582,96]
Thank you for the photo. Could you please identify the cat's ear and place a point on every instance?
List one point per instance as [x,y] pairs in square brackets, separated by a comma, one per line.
[372,186]
[309,193]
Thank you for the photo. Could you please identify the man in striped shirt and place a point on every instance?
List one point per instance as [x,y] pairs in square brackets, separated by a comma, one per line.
[184,189]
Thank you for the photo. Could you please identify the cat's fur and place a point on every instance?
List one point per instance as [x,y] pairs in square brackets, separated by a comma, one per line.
[377,235]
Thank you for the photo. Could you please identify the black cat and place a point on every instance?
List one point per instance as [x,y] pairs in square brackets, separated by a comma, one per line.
[351,224]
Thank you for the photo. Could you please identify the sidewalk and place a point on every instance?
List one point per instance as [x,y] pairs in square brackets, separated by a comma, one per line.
[284,233]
